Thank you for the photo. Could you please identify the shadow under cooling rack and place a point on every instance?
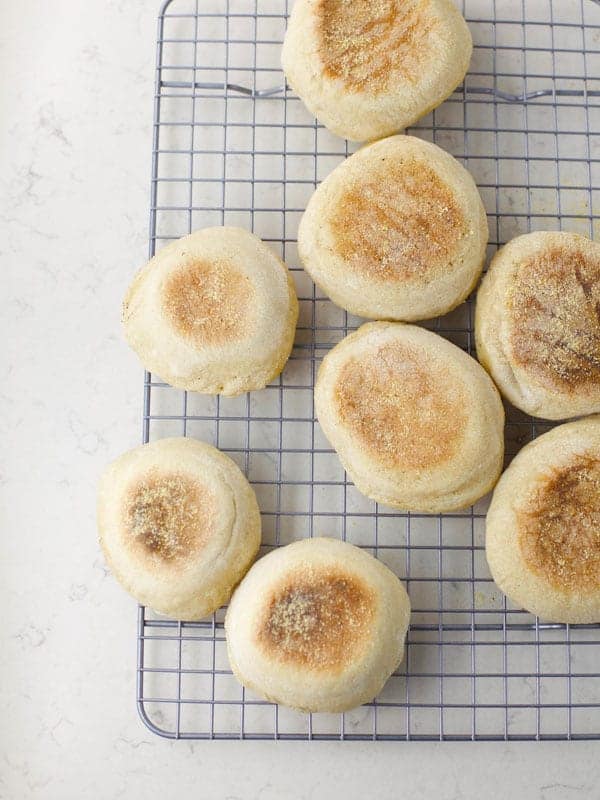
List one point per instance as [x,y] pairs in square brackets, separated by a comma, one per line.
[233,146]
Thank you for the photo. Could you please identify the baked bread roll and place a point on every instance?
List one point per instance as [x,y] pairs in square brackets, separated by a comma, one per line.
[368,68]
[397,231]
[318,625]
[537,327]
[543,525]
[416,422]
[214,312]
[179,525]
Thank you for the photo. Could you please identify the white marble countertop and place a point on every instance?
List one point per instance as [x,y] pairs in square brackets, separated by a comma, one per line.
[76,90]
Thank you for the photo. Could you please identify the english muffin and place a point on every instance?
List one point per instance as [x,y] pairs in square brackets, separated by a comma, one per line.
[416,422]
[543,525]
[318,625]
[537,324]
[369,68]
[214,312]
[179,525]
[397,231]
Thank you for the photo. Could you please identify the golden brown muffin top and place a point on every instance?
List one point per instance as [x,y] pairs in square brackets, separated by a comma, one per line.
[554,306]
[406,412]
[318,617]
[370,44]
[559,531]
[399,221]
[167,516]
[208,302]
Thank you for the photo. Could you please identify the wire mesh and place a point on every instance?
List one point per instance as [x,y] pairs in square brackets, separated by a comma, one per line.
[233,146]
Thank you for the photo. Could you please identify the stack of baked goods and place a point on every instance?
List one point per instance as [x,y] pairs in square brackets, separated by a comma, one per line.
[396,234]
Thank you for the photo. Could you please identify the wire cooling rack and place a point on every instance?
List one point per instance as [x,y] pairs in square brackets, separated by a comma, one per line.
[233,146]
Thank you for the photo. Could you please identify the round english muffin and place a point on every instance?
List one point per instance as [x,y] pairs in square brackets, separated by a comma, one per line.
[537,324]
[369,68]
[416,422]
[397,231]
[318,625]
[543,525]
[214,312]
[179,525]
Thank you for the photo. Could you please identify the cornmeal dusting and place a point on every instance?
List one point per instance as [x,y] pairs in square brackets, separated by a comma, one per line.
[169,515]
[559,535]
[555,309]
[370,44]
[405,413]
[319,618]
[401,221]
[209,302]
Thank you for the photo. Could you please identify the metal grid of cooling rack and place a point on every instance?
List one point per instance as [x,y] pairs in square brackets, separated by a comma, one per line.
[233,146]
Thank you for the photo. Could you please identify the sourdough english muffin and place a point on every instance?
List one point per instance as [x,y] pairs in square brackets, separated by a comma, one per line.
[537,324]
[318,625]
[368,68]
[179,525]
[416,422]
[397,231]
[214,312]
[543,525]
